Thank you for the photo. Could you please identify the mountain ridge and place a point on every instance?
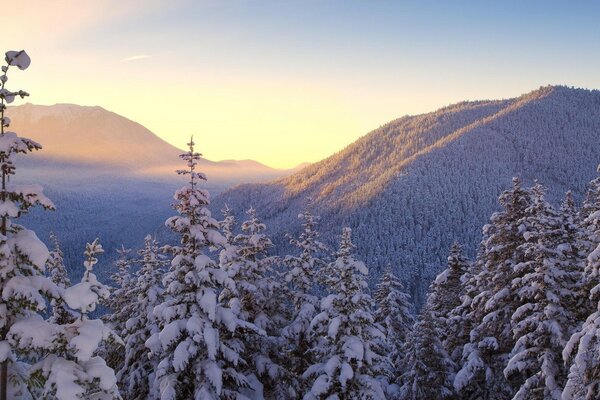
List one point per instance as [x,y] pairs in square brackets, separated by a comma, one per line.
[408,181]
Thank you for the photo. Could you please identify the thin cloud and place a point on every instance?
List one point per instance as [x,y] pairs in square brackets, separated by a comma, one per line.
[136,57]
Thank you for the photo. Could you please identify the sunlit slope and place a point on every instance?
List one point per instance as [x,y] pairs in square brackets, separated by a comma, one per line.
[413,186]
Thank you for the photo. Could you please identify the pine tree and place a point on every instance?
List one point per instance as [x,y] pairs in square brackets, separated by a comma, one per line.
[485,356]
[260,301]
[71,368]
[428,370]
[25,289]
[56,270]
[137,374]
[200,357]
[394,314]
[545,286]
[301,275]
[347,350]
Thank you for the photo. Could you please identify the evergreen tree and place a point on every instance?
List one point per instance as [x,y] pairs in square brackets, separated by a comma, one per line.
[445,296]
[347,339]
[394,314]
[428,370]
[301,274]
[260,301]
[71,368]
[582,351]
[25,289]
[200,357]
[137,375]
[122,305]
[491,340]
[545,286]
[55,267]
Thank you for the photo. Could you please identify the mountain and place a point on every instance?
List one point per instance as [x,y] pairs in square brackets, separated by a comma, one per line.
[94,140]
[109,177]
[415,185]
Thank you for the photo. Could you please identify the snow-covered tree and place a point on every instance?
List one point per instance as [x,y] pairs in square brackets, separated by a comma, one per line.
[428,370]
[25,289]
[137,375]
[261,301]
[200,356]
[347,341]
[121,304]
[491,339]
[445,295]
[544,284]
[71,368]
[582,351]
[301,272]
[56,270]
[394,314]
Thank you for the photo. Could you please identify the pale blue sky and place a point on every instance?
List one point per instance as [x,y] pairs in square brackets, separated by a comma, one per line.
[290,81]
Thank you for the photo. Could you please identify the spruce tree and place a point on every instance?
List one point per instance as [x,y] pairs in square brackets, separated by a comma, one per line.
[445,296]
[71,367]
[544,284]
[121,304]
[200,356]
[428,370]
[25,289]
[349,363]
[136,376]
[491,340]
[394,314]
[301,272]
[260,301]
[56,270]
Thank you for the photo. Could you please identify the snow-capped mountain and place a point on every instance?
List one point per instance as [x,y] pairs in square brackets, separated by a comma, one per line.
[413,186]
[94,140]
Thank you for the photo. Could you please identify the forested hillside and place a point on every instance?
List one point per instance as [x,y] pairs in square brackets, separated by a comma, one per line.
[413,186]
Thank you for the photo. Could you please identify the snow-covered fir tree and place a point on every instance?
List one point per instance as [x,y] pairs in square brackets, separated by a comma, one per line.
[56,270]
[199,355]
[136,376]
[25,289]
[544,284]
[491,340]
[582,351]
[347,341]
[428,370]
[261,302]
[395,314]
[121,304]
[71,368]
[301,274]
[445,296]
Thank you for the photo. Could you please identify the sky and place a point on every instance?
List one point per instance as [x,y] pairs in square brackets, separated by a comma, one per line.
[286,82]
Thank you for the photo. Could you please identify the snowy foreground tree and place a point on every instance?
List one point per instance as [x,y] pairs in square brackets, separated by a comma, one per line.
[348,344]
[199,355]
[427,368]
[136,375]
[25,289]
[394,314]
[302,272]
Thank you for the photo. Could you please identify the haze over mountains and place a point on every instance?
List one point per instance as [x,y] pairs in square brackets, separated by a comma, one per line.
[95,140]
[413,186]
[109,177]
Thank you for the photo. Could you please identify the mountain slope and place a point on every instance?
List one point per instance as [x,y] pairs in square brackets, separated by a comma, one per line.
[94,139]
[413,186]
